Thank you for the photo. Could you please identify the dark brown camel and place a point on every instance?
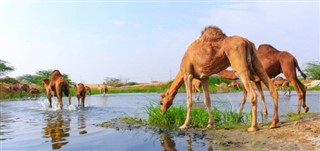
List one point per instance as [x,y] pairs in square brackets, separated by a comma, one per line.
[81,94]
[211,53]
[275,62]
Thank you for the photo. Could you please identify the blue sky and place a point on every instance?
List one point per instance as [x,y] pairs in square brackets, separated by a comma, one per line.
[142,41]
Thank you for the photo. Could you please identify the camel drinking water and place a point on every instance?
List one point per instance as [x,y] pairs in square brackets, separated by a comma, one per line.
[211,53]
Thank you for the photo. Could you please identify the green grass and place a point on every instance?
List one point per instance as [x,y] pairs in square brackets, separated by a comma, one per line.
[290,117]
[175,116]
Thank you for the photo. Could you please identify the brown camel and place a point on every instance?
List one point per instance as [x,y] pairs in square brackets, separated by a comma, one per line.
[88,90]
[196,88]
[58,85]
[282,83]
[103,88]
[235,83]
[275,62]
[211,53]
[81,93]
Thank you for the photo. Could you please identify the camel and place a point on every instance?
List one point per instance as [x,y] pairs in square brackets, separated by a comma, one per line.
[103,88]
[234,83]
[222,85]
[282,83]
[58,85]
[275,62]
[49,92]
[29,90]
[211,53]
[88,89]
[196,88]
[81,93]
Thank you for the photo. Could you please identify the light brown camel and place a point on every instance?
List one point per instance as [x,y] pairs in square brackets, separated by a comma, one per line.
[196,88]
[103,88]
[58,85]
[88,89]
[81,94]
[211,53]
[275,62]
[234,83]
[221,85]
[282,83]
[49,92]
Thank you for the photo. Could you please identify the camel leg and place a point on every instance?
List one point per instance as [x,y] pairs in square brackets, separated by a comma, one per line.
[273,92]
[188,84]
[59,95]
[78,97]
[50,101]
[244,76]
[265,111]
[243,102]
[83,100]
[300,89]
[207,100]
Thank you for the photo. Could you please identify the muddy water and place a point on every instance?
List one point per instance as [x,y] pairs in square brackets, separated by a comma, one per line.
[31,125]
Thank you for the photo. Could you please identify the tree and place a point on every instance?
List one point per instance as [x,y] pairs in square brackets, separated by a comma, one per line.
[113,81]
[313,70]
[41,74]
[5,67]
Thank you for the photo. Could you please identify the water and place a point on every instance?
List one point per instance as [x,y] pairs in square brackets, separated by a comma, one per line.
[31,125]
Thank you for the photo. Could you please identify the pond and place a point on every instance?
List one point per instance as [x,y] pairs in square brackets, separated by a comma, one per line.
[31,125]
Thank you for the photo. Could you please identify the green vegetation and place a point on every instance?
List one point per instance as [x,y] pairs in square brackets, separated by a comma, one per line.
[289,117]
[41,74]
[313,70]
[176,115]
[5,68]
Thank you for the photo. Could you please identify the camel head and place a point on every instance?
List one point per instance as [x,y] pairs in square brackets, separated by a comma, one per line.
[45,82]
[165,102]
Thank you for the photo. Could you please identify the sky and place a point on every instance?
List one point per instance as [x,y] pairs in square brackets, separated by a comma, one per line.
[143,41]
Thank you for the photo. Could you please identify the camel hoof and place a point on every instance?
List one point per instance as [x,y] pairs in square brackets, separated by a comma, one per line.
[253,129]
[274,126]
[183,127]
[306,109]
[209,126]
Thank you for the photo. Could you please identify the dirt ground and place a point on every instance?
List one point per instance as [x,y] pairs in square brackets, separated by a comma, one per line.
[303,134]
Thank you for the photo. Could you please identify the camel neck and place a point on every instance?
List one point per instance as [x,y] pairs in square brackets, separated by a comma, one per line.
[174,87]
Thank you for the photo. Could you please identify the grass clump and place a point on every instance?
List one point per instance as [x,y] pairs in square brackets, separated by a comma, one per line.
[175,116]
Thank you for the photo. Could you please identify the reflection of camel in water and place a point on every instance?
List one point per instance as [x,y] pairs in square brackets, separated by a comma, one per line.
[81,123]
[210,54]
[276,62]
[167,143]
[282,83]
[57,129]
[81,94]
[103,88]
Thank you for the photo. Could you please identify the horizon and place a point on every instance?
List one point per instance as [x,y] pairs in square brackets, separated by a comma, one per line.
[143,41]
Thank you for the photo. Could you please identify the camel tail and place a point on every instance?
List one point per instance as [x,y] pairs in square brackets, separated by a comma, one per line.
[297,65]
